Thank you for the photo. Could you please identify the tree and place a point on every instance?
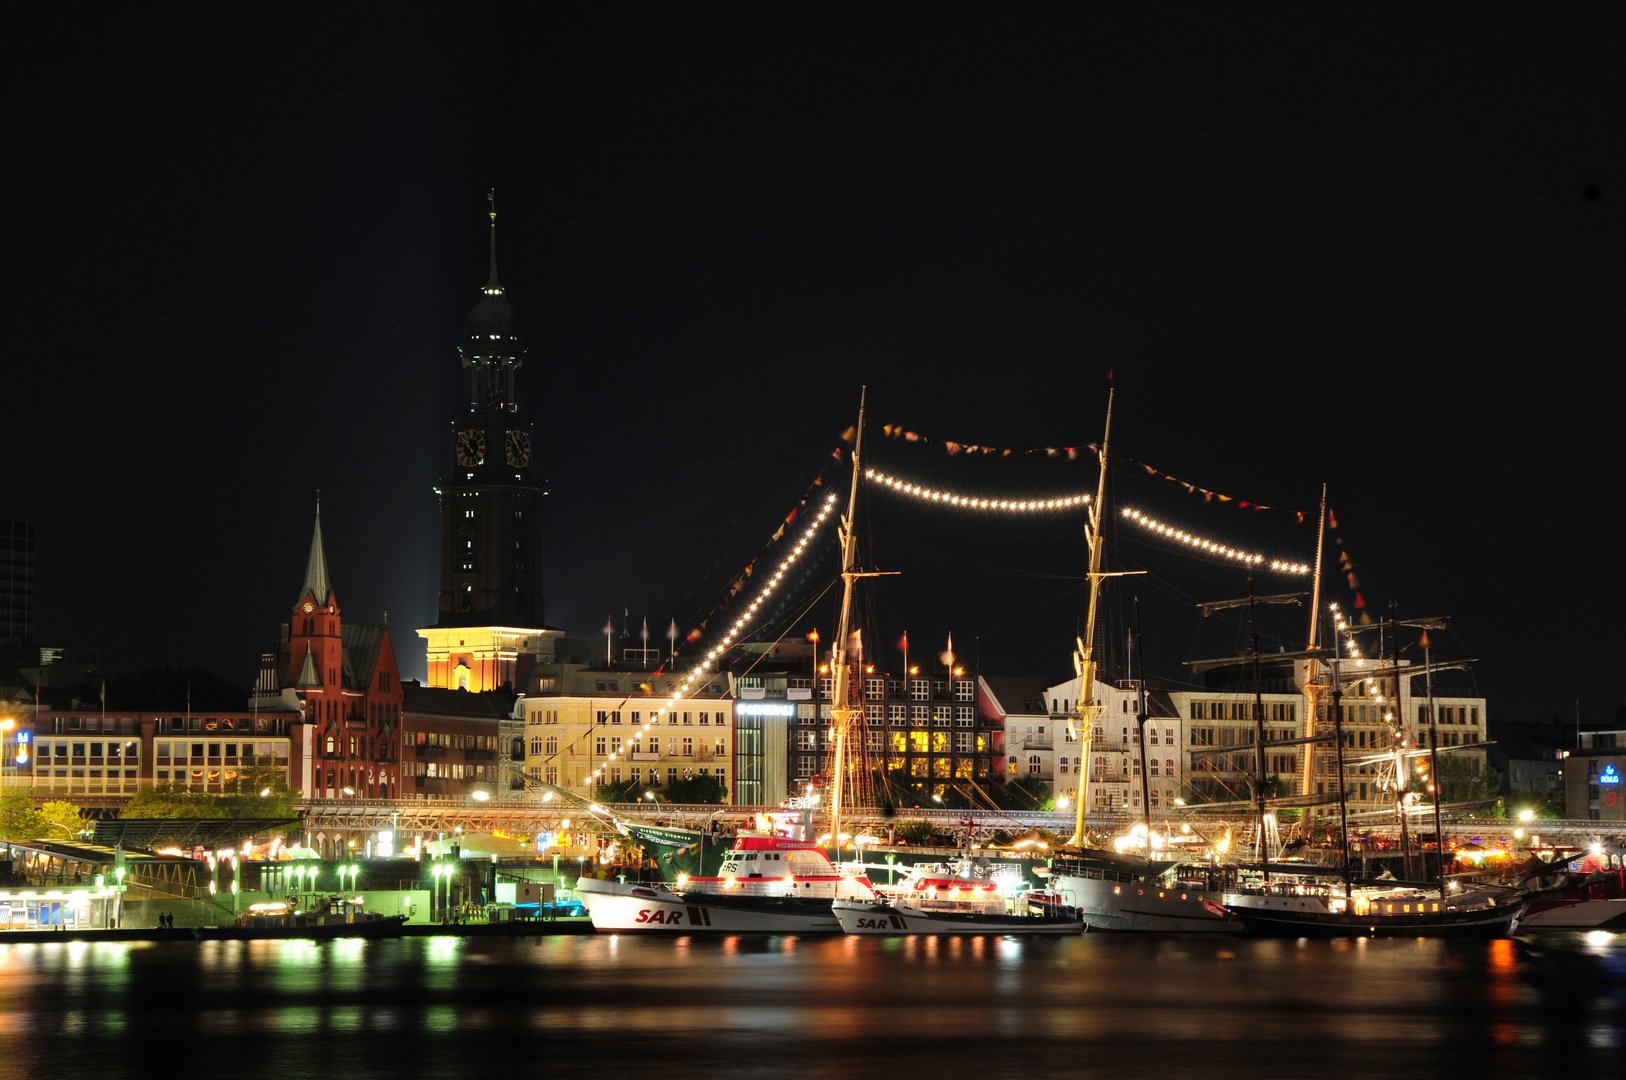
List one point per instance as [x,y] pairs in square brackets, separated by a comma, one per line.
[1462,780]
[625,791]
[1028,793]
[696,790]
[260,790]
[174,801]
[20,821]
[64,820]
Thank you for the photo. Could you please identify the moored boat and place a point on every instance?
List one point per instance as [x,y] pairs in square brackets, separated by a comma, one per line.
[768,884]
[930,901]
[1419,917]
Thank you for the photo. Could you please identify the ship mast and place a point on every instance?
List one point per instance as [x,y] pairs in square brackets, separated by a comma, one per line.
[1312,665]
[1084,658]
[840,710]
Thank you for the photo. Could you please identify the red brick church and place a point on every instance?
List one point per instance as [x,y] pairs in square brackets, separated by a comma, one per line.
[346,679]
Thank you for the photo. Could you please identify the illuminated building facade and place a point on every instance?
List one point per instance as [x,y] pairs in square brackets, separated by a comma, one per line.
[489,631]
[1112,789]
[95,756]
[584,728]
[346,682]
[924,732]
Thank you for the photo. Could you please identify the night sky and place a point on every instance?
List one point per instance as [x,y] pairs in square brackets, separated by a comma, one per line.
[1380,248]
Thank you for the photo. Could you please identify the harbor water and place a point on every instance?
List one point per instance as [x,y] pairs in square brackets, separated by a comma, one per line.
[1096,1005]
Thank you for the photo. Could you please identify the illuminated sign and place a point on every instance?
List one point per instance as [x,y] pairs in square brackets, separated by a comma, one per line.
[26,737]
[1610,776]
[767,708]
[23,739]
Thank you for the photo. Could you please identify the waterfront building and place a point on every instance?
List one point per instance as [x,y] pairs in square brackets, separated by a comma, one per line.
[580,716]
[1530,757]
[1031,731]
[1112,789]
[1593,771]
[489,632]
[102,757]
[452,743]
[344,679]
[924,732]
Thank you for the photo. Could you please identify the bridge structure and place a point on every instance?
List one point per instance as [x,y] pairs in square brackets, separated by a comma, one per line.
[334,823]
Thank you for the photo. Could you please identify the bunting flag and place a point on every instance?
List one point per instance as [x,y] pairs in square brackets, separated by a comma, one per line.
[813,636]
[1071,453]
[898,431]
[1210,496]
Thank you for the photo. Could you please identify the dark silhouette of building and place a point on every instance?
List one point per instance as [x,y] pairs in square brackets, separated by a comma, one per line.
[489,631]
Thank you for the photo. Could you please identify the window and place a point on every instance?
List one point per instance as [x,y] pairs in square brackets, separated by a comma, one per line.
[898,714]
[721,748]
[688,747]
[919,690]
[964,716]
[552,745]
[874,688]
[600,745]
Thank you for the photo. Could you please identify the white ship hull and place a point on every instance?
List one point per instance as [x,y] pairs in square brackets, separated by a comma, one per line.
[1574,915]
[618,908]
[1135,905]
[860,917]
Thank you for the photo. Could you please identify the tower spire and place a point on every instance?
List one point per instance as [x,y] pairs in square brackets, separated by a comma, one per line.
[316,582]
[493,284]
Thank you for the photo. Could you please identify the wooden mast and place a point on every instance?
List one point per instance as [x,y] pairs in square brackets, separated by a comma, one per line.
[1084,657]
[1312,665]
[841,658]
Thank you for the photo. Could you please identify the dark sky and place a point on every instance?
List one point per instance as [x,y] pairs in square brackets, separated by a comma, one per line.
[1376,247]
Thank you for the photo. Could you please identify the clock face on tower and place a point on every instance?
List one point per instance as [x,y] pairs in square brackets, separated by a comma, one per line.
[471,447]
[518,449]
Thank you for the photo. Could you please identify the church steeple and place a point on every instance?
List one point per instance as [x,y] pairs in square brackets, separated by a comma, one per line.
[316,583]
[493,286]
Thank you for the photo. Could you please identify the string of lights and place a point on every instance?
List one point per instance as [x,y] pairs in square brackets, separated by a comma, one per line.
[1209,547]
[744,620]
[972,502]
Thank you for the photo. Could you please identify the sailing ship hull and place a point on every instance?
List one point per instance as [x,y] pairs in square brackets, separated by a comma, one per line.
[1131,904]
[618,908]
[1575,915]
[1483,922]
[857,917]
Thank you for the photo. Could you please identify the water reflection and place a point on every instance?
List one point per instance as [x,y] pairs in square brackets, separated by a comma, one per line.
[714,1006]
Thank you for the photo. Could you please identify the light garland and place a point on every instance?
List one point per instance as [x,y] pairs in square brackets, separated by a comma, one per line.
[945,498]
[1251,559]
[733,632]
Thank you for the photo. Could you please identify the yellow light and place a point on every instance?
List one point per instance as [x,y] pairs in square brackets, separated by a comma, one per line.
[972,502]
[1210,547]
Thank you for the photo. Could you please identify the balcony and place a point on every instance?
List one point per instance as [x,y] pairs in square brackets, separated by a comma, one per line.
[479,755]
[1038,742]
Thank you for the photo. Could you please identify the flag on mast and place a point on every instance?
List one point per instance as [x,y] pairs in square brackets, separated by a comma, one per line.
[947,656]
[609,629]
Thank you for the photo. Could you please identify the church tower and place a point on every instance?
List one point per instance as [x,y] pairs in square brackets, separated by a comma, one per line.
[489,630]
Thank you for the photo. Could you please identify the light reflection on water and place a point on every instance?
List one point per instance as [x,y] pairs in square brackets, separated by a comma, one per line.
[1193,1006]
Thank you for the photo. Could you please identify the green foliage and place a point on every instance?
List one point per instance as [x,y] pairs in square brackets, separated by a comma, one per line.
[260,790]
[626,791]
[1463,780]
[698,789]
[240,798]
[173,801]
[1028,793]
[20,821]
[65,820]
